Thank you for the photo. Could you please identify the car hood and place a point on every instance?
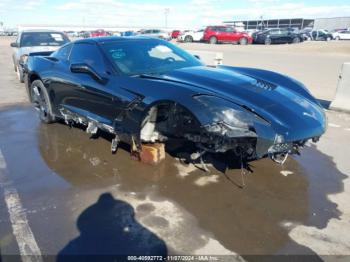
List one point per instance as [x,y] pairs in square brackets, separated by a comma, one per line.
[286,109]
[33,49]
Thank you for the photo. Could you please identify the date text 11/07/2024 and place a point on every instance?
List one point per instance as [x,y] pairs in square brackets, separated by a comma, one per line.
[174,258]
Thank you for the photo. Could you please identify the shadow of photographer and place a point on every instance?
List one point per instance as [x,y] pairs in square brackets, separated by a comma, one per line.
[109,231]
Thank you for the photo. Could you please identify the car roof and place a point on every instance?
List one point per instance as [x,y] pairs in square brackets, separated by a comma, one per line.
[105,39]
[40,31]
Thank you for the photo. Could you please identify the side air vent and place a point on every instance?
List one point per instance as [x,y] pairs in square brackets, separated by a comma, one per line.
[265,85]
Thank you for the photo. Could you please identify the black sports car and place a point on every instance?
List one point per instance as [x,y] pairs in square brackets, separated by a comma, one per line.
[145,90]
[277,36]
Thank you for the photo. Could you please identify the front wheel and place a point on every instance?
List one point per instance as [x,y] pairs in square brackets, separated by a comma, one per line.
[268,41]
[188,39]
[20,75]
[337,38]
[328,39]
[213,40]
[243,41]
[296,40]
[41,101]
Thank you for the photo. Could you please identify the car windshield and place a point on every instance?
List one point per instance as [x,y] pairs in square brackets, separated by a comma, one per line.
[147,56]
[43,39]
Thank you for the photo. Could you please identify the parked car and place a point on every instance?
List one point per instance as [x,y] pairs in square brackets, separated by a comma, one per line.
[191,36]
[306,33]
[341,35]
[225,34]
[321,35]
[157,33]
[99,33]
[84,34]
[30,41]
[147,90]
[277,36]
[128,33]
[175,34]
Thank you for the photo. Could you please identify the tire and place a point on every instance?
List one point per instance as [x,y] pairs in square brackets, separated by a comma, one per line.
[188,39]
[243,41]
[41,101]
[20,75]
[328,39]
[213,40]
[296,40]
[337,38]
[268,41]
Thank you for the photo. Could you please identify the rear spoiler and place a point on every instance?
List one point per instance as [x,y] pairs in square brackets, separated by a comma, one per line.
[44,53]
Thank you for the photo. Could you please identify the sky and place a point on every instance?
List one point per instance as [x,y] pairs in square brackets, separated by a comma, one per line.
[180,13]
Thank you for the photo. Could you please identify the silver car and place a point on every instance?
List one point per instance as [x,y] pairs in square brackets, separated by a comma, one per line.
[157,33]
[31,41]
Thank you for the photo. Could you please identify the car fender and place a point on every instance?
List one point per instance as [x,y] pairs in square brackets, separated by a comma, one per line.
[275,78]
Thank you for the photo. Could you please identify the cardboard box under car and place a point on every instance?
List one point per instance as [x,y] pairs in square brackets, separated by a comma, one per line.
[152,153]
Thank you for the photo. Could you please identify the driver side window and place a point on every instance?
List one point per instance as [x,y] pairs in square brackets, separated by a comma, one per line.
[88,54]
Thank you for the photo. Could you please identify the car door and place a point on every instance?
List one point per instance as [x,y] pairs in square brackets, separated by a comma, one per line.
[231,35]
[275,35]
[80,92]
[285,36]
[345,35]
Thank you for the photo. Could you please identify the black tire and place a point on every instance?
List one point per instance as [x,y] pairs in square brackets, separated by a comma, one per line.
[213,40]
[243,41]
[296,40]
[41,101]
[328,38]
[188,39]
[20,75]
[268,41]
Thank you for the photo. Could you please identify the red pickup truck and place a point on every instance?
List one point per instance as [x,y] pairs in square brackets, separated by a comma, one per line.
[217,34]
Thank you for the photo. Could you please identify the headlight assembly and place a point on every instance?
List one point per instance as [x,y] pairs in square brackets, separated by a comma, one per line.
[23,59]
[230,113]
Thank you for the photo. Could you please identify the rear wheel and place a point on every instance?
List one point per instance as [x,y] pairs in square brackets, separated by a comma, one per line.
[213,40]
[328,38]
[41,102]
[188,39]
[243,41]
[337,38]
[268,41]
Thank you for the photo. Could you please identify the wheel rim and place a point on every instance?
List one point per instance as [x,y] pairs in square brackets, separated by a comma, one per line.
[268,41]
[213,40]
[296,40]
[40,102]
[243,41]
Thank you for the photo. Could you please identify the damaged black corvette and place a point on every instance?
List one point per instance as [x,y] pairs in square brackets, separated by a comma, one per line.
[145,90]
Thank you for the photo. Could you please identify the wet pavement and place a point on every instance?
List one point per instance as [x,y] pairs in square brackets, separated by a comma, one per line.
[80,198]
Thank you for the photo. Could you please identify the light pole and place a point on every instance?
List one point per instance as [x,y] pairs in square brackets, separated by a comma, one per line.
[166,12]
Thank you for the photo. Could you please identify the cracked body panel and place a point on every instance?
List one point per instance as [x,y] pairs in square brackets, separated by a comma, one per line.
[251,112]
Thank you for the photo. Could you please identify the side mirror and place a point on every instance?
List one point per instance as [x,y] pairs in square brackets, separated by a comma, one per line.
[82,68]
[197,56]
[14,44]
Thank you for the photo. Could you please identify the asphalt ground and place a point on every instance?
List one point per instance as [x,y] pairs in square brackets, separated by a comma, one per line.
[62,192]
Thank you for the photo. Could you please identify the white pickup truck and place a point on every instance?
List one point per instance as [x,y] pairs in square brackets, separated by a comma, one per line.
[191,36]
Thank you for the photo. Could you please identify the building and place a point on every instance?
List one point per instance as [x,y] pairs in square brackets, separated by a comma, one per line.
[333,23]
[299,23]
[329,24]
